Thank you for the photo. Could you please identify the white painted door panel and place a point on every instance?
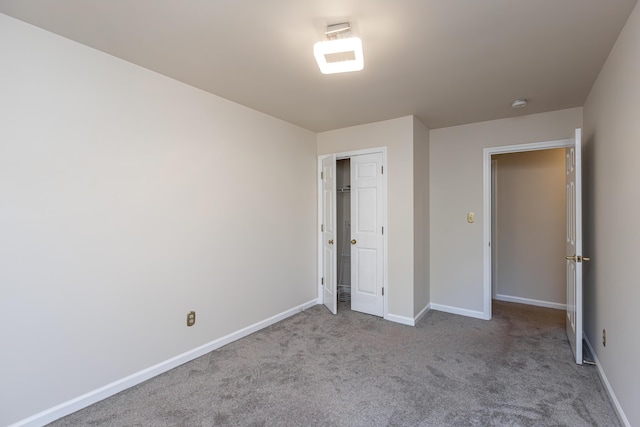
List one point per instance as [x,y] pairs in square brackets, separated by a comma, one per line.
[573,247]
[367,275]
[329,234]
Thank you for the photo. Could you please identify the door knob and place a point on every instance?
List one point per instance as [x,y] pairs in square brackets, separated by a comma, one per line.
[571,258]
[353,241]
[331,242]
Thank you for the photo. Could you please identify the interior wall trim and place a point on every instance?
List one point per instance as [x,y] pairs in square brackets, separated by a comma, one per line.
[422,313]
[529,301]
[605,381]
[457,310]
[403,320]
[486,210]
[117,386]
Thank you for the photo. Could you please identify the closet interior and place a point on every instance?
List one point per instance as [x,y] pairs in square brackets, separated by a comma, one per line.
[343,219]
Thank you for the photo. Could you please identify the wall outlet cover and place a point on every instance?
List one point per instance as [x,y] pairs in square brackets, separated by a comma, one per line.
[191,318]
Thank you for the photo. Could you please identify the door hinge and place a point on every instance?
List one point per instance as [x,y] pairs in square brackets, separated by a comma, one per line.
[322,281]
[382,291]
[383,230]
[322,227]
[381,170]
[321,175]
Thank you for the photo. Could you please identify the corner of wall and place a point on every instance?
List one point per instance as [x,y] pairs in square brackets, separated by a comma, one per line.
[420,216]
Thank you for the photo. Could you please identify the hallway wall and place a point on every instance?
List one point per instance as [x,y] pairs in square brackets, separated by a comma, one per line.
[530,234]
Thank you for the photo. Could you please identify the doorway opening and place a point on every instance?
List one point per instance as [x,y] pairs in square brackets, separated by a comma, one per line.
[573,230]
[488,225]
[528,228]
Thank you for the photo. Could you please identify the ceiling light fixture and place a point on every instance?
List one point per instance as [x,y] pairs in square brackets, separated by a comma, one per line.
[341,52]
[519,103]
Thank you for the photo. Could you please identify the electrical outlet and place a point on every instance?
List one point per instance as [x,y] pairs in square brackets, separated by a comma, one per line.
[604,337]
[191,318]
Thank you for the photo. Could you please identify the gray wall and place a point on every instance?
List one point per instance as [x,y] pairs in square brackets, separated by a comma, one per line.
[397,136]
[456,159]
[530,232]
[420,217]
[611,204]
[128,199]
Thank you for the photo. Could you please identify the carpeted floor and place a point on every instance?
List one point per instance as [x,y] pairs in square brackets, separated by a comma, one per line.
[316,369]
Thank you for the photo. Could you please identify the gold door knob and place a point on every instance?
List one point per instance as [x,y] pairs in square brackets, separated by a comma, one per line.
[331,242]
[353,241]
[578,258]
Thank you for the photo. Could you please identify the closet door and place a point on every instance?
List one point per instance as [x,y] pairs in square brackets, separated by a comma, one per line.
[367,259]
[329,234]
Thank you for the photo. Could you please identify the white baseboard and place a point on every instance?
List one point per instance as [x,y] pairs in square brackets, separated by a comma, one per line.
[421,314]
[108,390]
[456,310]
[530,301]
[605,381]
[404,320]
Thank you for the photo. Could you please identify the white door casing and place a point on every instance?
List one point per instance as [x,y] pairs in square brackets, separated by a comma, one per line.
[367,244]
[494,228]
[329,234]
[573,246]
[488,210]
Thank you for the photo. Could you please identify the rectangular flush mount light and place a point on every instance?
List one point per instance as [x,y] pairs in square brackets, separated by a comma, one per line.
[339,55]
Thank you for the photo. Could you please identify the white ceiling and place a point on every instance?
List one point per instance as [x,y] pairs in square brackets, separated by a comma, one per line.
[446,61]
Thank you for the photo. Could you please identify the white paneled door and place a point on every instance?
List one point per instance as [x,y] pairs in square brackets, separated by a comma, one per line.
[367,258]
[573,253]
[329,233]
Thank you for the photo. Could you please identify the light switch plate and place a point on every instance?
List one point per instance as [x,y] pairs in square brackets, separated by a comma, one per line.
[471,217]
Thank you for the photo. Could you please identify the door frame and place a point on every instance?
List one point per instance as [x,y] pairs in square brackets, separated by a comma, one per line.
[494,227]
[487,208]
[341,156]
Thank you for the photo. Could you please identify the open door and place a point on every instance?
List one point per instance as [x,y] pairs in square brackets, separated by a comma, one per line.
[367,256]
[329,234]
[573,251]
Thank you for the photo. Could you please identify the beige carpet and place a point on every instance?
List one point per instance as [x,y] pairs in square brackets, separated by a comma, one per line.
[316,369]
